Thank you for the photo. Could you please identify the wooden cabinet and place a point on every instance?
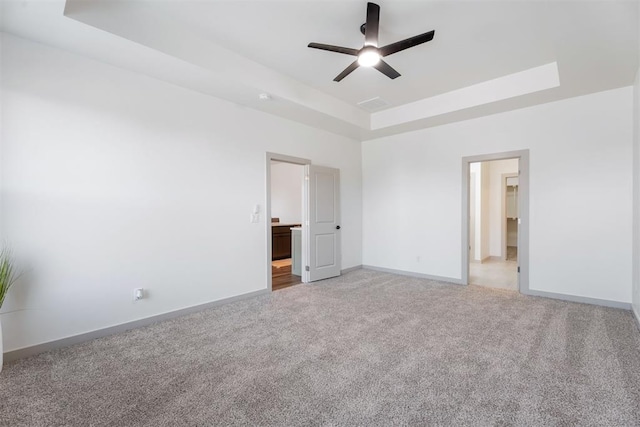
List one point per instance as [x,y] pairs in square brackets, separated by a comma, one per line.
[281,240]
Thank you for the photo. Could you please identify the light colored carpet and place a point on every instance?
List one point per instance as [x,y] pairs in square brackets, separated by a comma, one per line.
[366,349]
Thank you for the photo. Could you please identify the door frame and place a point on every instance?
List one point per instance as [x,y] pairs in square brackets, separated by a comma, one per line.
[267,211]
[523,206]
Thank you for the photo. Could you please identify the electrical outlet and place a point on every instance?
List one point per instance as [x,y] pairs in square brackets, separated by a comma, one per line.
[255,218]
[138,294]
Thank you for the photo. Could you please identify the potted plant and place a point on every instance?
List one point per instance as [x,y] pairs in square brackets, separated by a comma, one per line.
[8,276]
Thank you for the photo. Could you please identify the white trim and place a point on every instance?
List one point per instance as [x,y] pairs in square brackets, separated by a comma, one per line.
[350,269]
[532,293]
[579,299]
[123,327]
[414,274]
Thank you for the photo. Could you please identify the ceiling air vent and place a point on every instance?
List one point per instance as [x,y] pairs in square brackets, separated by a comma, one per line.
[373,104]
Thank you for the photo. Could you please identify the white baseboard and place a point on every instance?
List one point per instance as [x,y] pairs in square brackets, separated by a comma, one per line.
[553,295]
[579,299]
[350,269]
[413,274]
[76,339]
[88,336]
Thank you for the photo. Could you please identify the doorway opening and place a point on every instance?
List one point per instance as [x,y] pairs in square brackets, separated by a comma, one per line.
[287,213]
[303,221]
[495,221]
[286,210]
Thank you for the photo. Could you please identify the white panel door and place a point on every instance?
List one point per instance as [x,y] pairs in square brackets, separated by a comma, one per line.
[323,229]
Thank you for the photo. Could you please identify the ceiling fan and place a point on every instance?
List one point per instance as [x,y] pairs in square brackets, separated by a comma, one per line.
[370,55]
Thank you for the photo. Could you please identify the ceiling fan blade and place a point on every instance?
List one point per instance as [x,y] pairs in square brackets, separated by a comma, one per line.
[371,27]
[331,48]
[386,69]
[347,71]
[406,43]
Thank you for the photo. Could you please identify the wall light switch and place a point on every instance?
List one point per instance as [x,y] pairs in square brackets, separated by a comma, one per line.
[256,209]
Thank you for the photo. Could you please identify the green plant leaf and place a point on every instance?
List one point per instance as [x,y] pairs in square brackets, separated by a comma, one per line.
[8,273]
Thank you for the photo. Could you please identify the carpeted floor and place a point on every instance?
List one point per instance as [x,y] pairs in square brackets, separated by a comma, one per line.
[366,349]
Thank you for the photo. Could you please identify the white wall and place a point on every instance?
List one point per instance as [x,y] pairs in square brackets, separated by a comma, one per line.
[286,192]
[486,207]
[113,180]
[580,209]
[496,202]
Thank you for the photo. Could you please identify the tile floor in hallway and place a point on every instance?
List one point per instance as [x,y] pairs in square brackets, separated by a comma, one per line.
[494,273]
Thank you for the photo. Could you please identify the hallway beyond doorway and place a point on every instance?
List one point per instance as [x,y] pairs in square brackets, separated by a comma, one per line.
[495,273]
[493,223]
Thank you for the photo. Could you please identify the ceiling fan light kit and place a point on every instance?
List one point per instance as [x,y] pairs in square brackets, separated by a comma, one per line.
[370,55]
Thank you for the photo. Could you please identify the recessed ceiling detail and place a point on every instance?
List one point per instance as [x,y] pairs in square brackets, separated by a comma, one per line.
[489,57]
[517,84]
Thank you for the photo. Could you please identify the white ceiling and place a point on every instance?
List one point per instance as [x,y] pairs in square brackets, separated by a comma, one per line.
[474,42]
[238,49]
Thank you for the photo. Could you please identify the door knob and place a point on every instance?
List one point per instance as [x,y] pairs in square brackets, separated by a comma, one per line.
[337,227]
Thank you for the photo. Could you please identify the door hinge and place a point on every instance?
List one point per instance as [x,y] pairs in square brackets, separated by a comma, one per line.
[518,269]
[306,268]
